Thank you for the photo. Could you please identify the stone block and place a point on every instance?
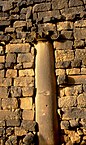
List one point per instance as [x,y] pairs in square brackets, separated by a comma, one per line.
[73,113]
[67,35]
[73,3]
[18,48]
[24,81]
[59,4]
[79,33]
[29,125]
[73,90]
[26,103]
[83,71]
[19,24]
[79,79]
[76,62]
[11,58]
[9,30]
[28,91]
[64,125]
[61,79]
[2,59]
[2,73]
[80,23]
[10,73]
[7,5]
[1,66]
[42,7]
[81,100]
[73,71]
[64,55]
[28,115]
[9,103]
[25,58]
[60,72]
[63,45]
[13,122]
[62,64]
[28,64]
[26,72]
[1,50]
[5,82]
[67,102]
[66,25]
[4,23]
[4,92]
[16,91]
[19,131]
[74,123]
[78,43]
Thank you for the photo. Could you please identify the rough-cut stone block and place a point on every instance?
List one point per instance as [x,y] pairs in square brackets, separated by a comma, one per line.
[18,48]
[24,81]
[19,24]
[73,71]
[10,73]
[78,43]
[13,122]
[27,91]
[60,72]
[67,34]
[62,64]
[63,45]
[19,131]
[81,100]
[9,103]
[76,62]
[74,123]
[9,30]
[7,5]
[25,57]
[73,3]
[83,70]
[80,53]
[29,125]
[67,102]
[73,113]
[80,23]
[67,25]
[2,73]
[59,4]
[26,103]
[5,81]
[42,7]
[2,59]
[64,55]
[26,72]
[79,33]
[4,92]
[28,64]
[61,79]
[16,91]
[79,79]
[64,125]
[11,58]
[28,115]
[73,90]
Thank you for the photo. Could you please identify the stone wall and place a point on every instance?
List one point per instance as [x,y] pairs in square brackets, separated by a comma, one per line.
[22,23]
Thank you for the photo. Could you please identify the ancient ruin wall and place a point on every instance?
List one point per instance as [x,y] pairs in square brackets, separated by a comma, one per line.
[22,23]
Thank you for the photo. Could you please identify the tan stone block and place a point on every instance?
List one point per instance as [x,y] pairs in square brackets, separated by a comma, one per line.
[19,24]
[28,65]
[28,115]
[27,57]
[2,72]
[9,29]
[24,81]
[26,72]
[5,81]
[63,45]
[27,91]
[80,23]
[18,48]
[83,71]
[73,90]
[60,72]
[61,92]
[20,131]
[26,103]
[81,100]
[9,103]
[2,59]
[4,92]
[79,79]
[73,71]
[64,55]
[64,25]
[10,73]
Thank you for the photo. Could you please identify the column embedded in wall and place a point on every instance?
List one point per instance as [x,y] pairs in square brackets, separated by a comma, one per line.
[46,115]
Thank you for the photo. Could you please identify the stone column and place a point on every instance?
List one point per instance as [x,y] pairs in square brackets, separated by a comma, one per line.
[46,115]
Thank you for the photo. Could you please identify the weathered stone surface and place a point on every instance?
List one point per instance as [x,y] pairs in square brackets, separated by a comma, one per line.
[79,79]
[11,58]
[29,125]
[5,82]
[79,33]
[9,30]
[16,91]
[66,25]
[20,131]
[73,71]
[26,72]
[73,3]
[9,103]
[2,73]
[42,7]
[64,125]
[29,138]
[67,102]
[63,45]
[1,50]
[19,24]
[28,114]
[26,103]
[73,90]
[18,48]
[13,122]
[76,62]
[10,73]
[24,81]
[74,123]
[59,4]
[4,92]
[2,59]
[81,100]
[25,57]
[28,91]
